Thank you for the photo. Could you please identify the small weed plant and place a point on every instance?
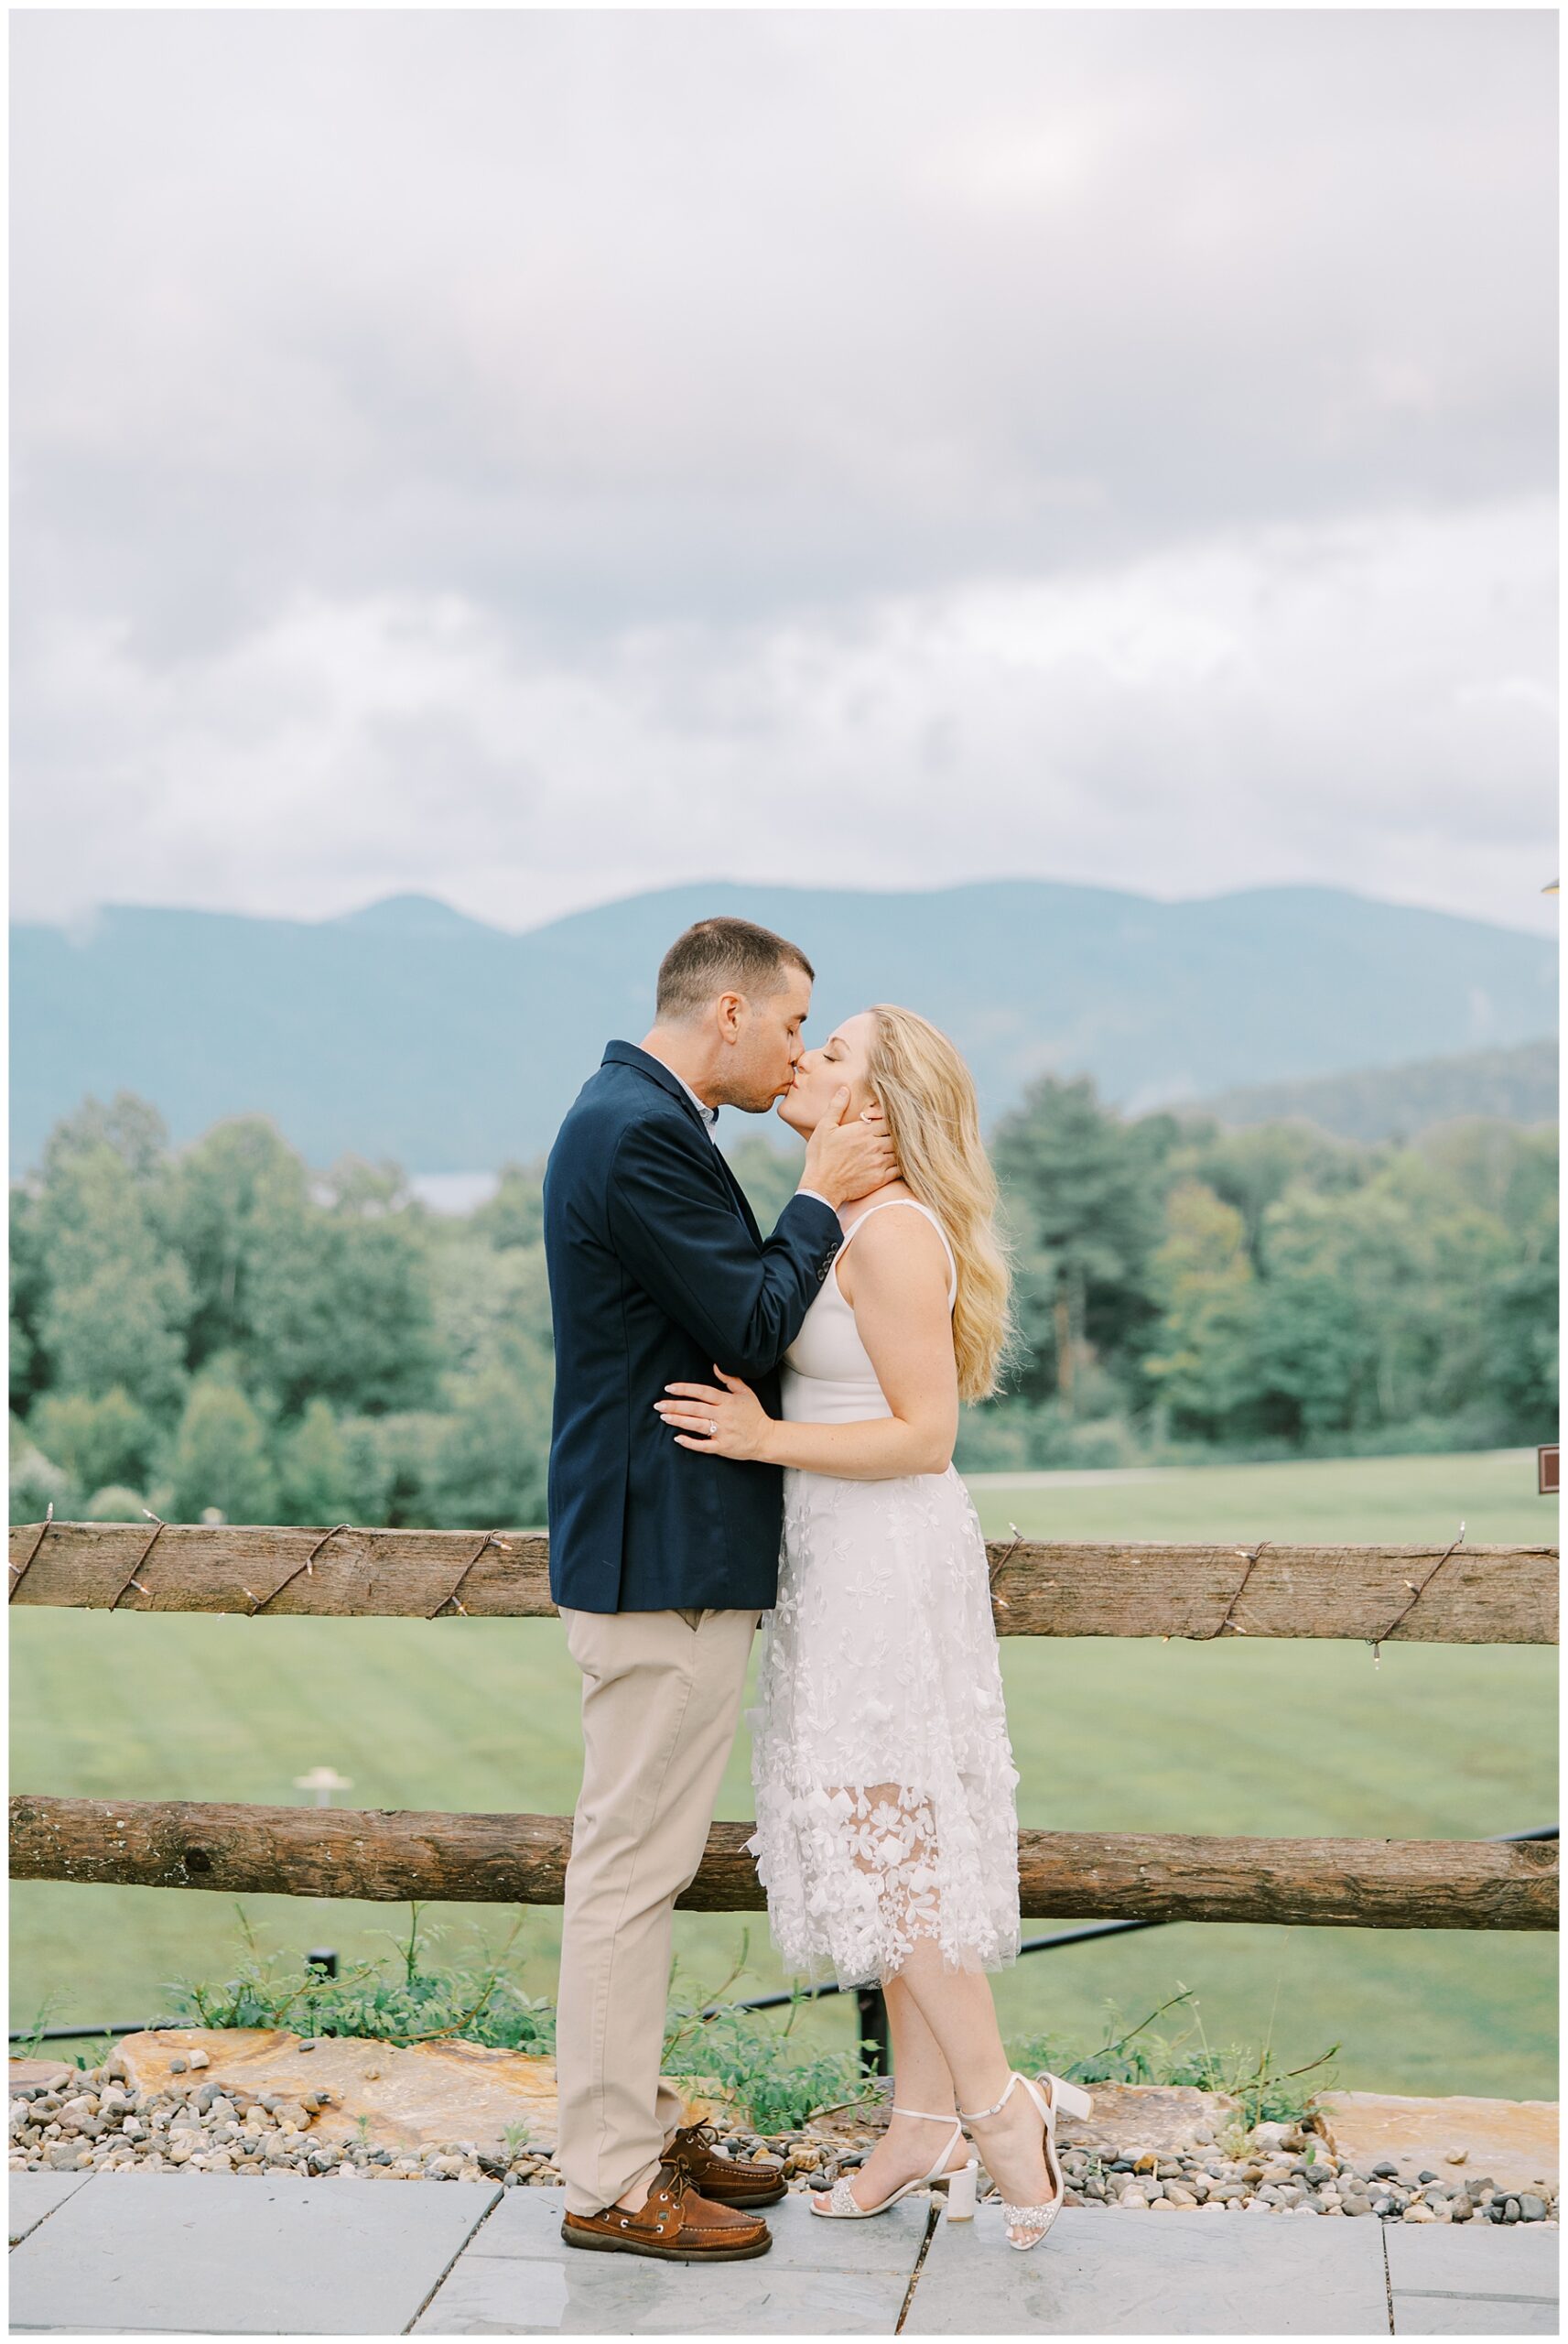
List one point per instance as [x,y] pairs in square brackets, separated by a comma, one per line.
[1133,2055]
[406,1996]
[742,2056]
[31,2046]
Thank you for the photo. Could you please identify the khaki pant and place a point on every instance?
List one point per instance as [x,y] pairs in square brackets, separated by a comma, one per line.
[661,1698]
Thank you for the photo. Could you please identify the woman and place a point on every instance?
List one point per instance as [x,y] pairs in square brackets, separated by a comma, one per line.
[886,1832]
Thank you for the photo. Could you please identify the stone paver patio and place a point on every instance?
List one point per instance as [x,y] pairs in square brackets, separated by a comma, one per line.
[209,2253]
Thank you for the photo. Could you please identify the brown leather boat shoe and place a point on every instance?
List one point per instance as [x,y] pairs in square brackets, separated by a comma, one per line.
[676,2225]
[727,2181]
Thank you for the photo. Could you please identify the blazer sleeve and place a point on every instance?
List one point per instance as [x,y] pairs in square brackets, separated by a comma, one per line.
[675,1229]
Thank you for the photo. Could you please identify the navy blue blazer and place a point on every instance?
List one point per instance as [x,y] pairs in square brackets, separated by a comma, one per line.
[658,1272]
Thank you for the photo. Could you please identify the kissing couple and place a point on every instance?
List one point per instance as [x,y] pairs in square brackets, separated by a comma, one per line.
[753,1429]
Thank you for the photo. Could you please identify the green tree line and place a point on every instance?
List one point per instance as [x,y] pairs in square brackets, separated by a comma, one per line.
[217,1330]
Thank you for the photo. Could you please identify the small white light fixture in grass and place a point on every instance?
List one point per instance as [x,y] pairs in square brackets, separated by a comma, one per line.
[323,1782]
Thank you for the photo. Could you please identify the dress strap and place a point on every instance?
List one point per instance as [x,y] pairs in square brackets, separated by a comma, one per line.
[915,1205]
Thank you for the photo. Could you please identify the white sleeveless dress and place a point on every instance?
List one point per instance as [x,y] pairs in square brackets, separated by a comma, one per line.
[880,1762]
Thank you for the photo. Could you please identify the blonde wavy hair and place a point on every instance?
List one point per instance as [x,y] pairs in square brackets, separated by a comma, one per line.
[927,1097]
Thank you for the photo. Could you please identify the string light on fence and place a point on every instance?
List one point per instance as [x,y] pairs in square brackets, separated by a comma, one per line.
[998,1568]
[19,1570]
[1416,1594]
[131,1579]
[307,1567]
[492,1538]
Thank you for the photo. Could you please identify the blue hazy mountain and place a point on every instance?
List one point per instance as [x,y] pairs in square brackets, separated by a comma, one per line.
[1517,1085]
[408,1030]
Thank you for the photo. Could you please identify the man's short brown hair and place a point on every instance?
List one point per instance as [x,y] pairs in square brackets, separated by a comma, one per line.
[718,956]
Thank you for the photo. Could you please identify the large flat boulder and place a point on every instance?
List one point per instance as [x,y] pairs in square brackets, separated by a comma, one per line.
[40,2071]
[1163,2118]
[407,2097]
[1515,2141]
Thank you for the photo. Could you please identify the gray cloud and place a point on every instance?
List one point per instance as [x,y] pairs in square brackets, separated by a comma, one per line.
[533,455]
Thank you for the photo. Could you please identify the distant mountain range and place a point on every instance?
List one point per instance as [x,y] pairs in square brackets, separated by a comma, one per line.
[1517,1085]
[408,1030]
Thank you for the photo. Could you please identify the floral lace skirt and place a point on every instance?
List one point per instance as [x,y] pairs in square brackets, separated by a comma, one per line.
[884,1774]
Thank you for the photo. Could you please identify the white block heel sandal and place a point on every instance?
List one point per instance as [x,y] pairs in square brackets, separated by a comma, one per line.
[960,2185]
[1031,2222]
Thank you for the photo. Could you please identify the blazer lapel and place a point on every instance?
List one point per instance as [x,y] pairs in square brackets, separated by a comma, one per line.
[628,1054]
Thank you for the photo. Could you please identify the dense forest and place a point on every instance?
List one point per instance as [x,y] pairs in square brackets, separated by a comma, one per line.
[220,1331]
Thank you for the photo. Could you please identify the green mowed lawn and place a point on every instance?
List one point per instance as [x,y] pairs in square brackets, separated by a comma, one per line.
[1233,1737]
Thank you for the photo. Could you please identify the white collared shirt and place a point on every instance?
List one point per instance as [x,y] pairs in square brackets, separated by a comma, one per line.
[709,1114]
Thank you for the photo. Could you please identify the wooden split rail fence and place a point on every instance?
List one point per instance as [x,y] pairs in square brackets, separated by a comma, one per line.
[1374,1594]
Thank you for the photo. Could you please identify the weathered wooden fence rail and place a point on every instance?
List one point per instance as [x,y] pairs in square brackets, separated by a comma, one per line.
[1461,1595]
[1453,1594]
[522,1859]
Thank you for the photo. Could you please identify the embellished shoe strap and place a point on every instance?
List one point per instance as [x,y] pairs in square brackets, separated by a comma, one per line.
[1032,2220]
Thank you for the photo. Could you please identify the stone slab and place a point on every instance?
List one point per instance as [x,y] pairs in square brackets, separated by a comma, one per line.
[1513,2140]
[613,2294]
[1161,2117]
[1474,2315]
[410,2095]
[517,2277]
[527,2223]
[175,2254]
[39,2071]
[1149,2274]
[1474,2258]
[35,2196]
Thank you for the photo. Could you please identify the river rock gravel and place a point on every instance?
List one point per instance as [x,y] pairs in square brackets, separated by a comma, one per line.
[97,2120]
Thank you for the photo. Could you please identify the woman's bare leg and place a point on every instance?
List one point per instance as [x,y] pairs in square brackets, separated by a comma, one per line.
[961,2014]
[921,2079]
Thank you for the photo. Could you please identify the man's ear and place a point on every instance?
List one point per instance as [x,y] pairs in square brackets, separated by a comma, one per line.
[731,1011]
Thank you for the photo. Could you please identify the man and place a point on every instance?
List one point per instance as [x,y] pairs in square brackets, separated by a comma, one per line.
[661,1561]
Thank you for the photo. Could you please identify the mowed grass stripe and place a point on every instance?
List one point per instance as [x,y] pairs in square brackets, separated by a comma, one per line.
[1282,1738]
[1354,1501]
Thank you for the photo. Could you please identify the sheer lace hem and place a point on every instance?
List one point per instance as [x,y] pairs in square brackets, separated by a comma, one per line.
[857,1875]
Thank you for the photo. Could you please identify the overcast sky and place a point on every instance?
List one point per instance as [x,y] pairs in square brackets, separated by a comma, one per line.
[531,457]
